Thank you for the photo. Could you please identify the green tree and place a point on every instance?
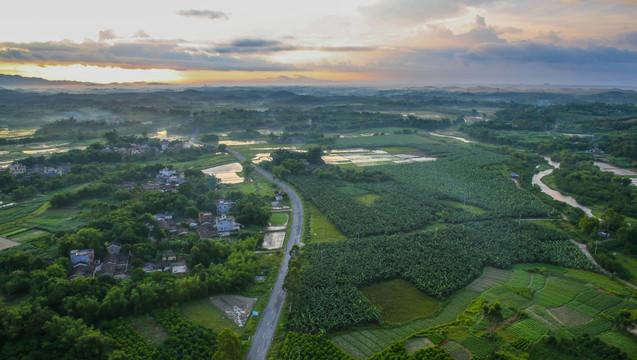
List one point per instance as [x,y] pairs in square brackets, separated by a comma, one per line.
[228,345]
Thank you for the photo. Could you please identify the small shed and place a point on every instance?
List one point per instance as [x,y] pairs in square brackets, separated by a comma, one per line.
[169,256]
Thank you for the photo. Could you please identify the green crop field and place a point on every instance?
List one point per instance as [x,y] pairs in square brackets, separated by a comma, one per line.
[596,326]
[203,312]
[478,346]
[569,317]
[278,219]
[400,302]
[520,278]
[553,295]
[415,343]
[321,228]
[457,351]
[528,329]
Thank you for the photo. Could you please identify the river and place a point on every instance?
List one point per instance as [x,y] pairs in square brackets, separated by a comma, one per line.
[537,180]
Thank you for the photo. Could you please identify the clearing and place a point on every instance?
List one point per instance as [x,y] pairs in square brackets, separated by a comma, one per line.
[204,313]
[237,308]
[273,240]
[399,302]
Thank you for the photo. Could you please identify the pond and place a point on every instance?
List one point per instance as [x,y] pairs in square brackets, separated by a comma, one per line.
[227,174]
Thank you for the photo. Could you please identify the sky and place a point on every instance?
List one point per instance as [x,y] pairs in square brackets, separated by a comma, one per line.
[408,42]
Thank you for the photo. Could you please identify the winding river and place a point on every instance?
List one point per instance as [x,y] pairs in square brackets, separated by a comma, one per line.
[537,180]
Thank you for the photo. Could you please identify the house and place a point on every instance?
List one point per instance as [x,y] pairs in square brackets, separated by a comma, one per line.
[115,266]
[223,206]
[114,248]
[82,270]
[86,256]
[206,217]
[165,174]
[207,231]
[278,196]
[604,234]
[179,269]
[169,256]
[17,169]
[226,223]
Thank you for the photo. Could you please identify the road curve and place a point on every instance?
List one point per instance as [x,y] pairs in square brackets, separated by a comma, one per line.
[262,338]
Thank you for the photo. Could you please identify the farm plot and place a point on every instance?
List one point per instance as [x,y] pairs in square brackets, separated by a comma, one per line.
[627,305]
[399,302]
[237,308]
[539,313]
[596,326]
[520,278]
[569,317]
[457,351]
[604,301]
[273,240]
[553,294]
[529,329]
[537,282]
[506,297]
[385,337]
[583,308]
[6,243]
[491,277]
[415,343]
[478,346]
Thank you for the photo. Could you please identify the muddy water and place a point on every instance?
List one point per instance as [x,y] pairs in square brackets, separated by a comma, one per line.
[537,180]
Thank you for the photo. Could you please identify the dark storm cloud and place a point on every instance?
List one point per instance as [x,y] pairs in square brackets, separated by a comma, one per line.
[203,14]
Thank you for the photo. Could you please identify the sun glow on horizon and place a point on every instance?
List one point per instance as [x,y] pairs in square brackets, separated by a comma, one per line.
[112,74]
[92,73]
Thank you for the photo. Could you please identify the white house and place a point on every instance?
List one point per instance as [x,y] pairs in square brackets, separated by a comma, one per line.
[225,223]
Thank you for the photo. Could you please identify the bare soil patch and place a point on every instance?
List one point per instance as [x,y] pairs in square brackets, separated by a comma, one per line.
[237,308]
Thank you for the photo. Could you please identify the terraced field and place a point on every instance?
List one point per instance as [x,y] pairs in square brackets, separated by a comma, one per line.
[558,302]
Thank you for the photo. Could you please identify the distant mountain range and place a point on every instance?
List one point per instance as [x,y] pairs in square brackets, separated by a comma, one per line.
[18,81]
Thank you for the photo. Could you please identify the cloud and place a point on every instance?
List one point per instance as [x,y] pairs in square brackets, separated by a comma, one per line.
[203,14]
[529,51]
[480,21]
[417,10]
[141,34]
[106,35]
[173,54]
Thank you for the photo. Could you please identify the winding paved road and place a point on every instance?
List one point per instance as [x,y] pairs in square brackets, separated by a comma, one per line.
[270,317]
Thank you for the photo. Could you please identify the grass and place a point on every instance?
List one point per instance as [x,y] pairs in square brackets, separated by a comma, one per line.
[259,185]
[203,312]
[352,191]
[321,228]
[368,199]
[146,326]
[399,302]
[470,208]
[278,219]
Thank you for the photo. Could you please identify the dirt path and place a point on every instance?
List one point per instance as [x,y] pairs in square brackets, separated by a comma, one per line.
[590,257]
